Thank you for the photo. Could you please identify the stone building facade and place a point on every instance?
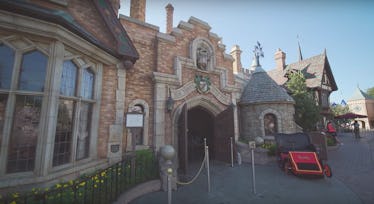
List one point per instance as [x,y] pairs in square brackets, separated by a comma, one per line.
[362,104]
[94,70]
[184,80]
[265,107]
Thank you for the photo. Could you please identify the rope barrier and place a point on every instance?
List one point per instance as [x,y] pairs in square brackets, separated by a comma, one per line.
[195,177]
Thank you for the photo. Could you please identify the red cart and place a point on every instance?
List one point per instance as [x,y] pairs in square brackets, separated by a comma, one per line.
[296,154]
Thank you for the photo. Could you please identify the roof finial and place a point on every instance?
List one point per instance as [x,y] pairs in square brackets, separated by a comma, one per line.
[258,53]
[300,54]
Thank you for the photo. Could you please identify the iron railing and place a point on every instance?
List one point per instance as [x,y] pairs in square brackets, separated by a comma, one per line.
[104,186]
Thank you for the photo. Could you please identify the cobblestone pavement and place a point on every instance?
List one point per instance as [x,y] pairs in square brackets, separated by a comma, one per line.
[353,176]
[353,164]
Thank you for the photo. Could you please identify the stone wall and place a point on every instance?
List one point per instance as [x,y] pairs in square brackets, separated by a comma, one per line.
[252,118]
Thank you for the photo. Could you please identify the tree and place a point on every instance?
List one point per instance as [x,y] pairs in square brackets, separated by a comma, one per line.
[370,91]
[339,109]
[307,111]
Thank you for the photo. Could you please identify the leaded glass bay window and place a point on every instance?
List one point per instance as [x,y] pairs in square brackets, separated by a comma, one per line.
[25,130]
[73,131]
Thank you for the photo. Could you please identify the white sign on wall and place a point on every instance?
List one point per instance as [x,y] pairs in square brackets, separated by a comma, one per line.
[134,120]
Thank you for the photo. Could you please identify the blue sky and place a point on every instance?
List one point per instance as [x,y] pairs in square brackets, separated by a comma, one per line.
[345,28]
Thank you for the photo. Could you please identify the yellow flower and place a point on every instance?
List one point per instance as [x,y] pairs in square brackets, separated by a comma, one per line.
[71,182]
[95,186]
[103,173]
[13,202]
[58,185]
[82,184]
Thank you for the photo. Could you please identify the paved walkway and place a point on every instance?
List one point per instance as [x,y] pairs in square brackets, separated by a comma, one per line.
[353,175]
[353,164]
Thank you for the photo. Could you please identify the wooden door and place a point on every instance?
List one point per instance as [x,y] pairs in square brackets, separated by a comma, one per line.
[223,130]
[183,141]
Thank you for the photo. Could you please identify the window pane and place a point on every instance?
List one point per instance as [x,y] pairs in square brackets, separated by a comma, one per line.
[3,100]
[84,131]
[23,140]
[6,66]
[270,124]
[87,84]
[32,73]
[64,132]
[68,79]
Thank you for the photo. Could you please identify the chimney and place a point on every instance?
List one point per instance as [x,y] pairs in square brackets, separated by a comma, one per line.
[137,9]
[169,18]
[116,6]
[280,59]
[237,64]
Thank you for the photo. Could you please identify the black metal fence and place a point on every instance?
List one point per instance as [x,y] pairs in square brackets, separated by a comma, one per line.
[104,186]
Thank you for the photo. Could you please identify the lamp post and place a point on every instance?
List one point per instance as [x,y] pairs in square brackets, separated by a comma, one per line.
[167,153]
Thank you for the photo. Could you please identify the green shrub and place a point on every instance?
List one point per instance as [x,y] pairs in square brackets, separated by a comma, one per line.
[330,141]
[271,147]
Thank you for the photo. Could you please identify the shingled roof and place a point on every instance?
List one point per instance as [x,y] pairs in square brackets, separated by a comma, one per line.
[360,95]
[125,49]
[262,89]
[313,69]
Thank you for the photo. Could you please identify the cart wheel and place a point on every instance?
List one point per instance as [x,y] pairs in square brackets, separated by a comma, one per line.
[327,170]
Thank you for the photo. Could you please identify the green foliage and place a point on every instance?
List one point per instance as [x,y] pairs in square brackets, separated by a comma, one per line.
[370,92]
[330,141]
[102,186]
[307,111]
[271,147]
[339,109]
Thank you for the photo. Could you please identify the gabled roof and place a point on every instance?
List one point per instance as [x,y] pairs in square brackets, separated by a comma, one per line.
[262,89]
[359,95]
[313,69]
[125,49]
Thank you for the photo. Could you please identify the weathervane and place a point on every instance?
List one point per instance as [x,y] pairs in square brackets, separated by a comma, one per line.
[258,53]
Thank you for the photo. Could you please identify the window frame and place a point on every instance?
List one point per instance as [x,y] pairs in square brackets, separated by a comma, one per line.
[43,161]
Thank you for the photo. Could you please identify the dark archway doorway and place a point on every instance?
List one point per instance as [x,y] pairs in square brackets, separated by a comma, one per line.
[199,126]
[194,125]
[198,123]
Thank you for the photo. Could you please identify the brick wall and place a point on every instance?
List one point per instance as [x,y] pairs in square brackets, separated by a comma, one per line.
[108,107]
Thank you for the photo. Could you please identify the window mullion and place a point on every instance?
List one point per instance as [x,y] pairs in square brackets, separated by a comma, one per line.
[7,132]
[75,130]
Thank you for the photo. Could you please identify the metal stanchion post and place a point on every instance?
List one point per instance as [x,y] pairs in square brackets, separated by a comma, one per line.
[167,153]
[232,152]
[169,173]
[207,166]
[252,146]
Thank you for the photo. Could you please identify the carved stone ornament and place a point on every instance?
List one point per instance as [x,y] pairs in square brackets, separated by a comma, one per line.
[202,83]
[202,58]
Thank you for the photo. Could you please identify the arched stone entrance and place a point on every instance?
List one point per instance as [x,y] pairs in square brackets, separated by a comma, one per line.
[195,121]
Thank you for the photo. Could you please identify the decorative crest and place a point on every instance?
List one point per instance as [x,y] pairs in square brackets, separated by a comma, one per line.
[202,83]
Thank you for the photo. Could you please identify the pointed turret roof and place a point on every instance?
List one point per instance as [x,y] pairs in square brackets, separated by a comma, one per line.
[359,95]
[262,89]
